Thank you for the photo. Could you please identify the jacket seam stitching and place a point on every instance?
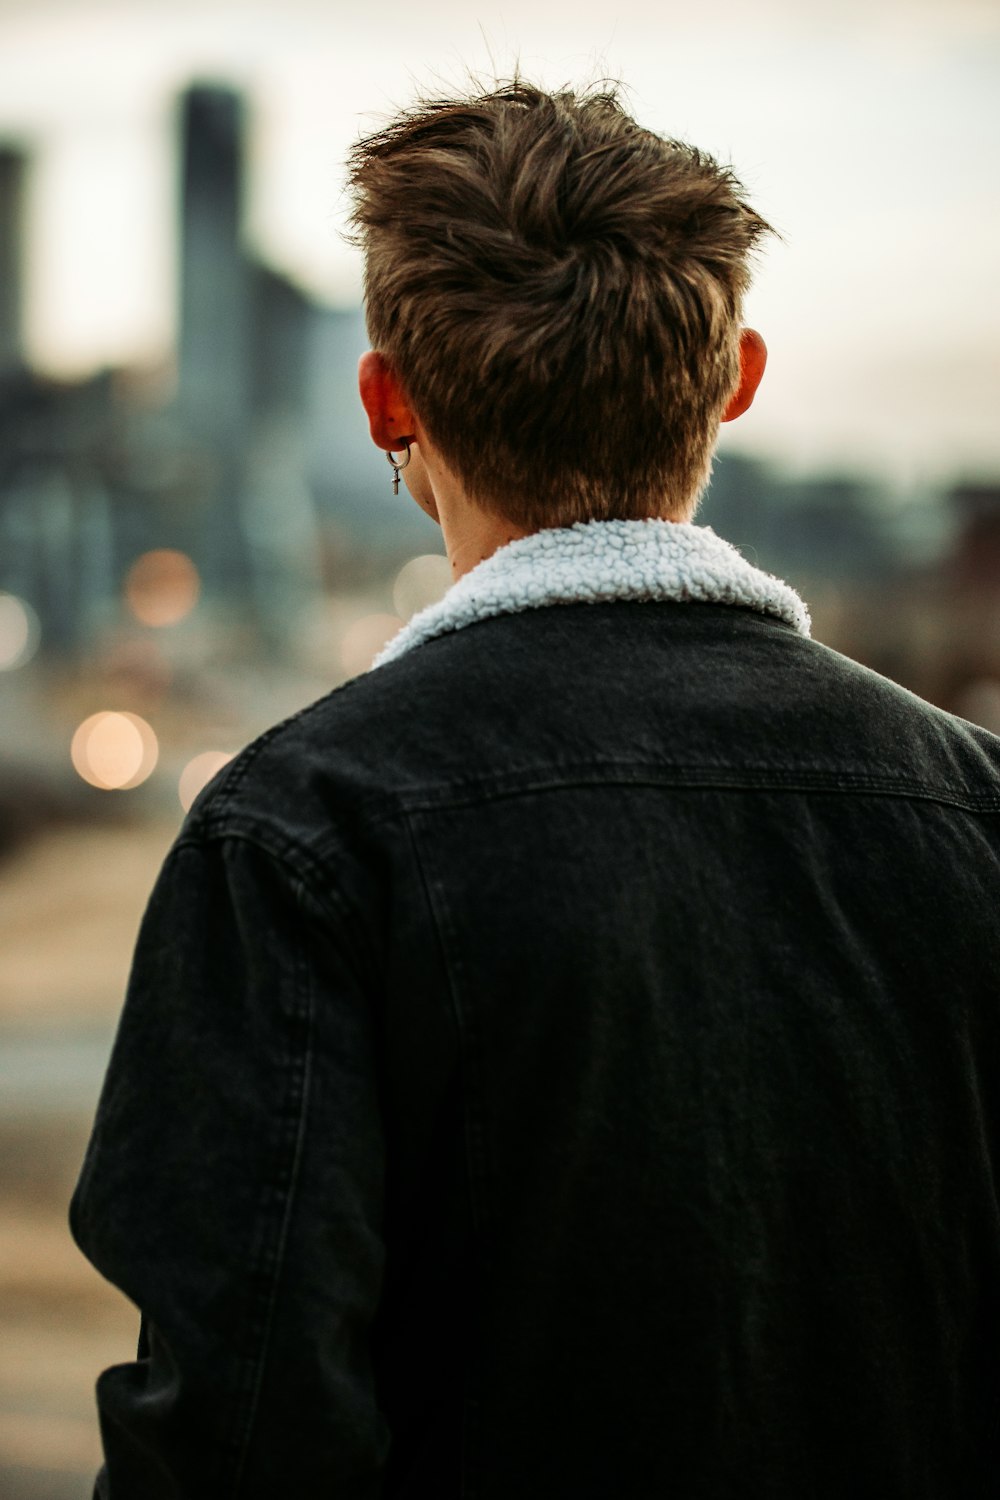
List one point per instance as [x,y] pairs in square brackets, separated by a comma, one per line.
[318,883]
[696,779]
[476,1151]
[384,808]
[269,1257]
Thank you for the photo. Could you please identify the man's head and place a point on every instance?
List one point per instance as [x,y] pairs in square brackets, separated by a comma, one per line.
[559,293]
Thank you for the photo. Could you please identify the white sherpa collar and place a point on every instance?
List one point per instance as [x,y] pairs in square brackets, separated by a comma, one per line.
[596,561]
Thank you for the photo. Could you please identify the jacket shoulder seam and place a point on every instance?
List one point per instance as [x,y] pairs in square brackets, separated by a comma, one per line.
[302,865]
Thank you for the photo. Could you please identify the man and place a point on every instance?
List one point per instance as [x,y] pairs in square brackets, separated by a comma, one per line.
[562,1061]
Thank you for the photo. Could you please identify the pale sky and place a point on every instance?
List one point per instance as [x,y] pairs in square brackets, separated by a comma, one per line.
[868,133]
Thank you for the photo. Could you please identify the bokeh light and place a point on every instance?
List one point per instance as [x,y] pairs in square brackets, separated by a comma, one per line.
[114,751]
[198,773]
[421,581]
[162,586]
[19,632]
[364,640]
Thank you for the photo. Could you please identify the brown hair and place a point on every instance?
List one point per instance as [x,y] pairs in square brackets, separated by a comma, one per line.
[559,292]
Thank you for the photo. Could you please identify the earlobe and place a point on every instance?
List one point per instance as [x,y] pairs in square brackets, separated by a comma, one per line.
[753,359]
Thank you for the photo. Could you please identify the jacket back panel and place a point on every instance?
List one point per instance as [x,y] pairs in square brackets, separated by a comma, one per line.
[691,1028]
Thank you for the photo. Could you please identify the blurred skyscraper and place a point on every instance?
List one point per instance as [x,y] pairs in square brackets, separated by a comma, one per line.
[12,179]
[215,379]
[216,307]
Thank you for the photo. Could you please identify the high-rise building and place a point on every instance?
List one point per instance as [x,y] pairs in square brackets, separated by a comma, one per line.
[215,385]
[214,303]
[13,172]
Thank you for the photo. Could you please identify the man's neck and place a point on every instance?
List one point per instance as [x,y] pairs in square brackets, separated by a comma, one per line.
[473,536]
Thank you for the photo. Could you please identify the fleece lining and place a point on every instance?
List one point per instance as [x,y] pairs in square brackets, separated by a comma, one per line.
[593,562]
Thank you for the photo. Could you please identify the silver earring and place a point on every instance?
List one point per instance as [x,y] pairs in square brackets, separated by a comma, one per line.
[397,467]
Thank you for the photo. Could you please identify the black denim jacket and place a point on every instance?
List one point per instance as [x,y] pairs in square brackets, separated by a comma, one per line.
[563,1064]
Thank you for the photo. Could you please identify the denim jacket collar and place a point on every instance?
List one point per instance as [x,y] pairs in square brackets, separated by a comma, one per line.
[596,561]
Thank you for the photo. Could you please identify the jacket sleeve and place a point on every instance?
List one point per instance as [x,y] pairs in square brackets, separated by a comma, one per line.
[233,1189]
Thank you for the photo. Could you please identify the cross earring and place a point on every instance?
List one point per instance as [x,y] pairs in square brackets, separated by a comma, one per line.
[397,467]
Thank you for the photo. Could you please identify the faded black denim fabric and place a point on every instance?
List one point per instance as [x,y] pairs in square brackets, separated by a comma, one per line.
[563,1064]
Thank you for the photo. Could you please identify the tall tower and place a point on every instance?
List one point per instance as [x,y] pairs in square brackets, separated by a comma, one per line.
[215,375]
[216,315]
[12,179]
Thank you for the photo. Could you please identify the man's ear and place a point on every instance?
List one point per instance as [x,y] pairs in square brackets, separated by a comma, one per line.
[753,358]
[390,416]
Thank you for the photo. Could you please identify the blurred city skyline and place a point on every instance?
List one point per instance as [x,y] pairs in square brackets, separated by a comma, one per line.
[867,137]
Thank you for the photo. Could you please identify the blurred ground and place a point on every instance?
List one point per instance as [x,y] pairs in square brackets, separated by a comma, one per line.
[71,904]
